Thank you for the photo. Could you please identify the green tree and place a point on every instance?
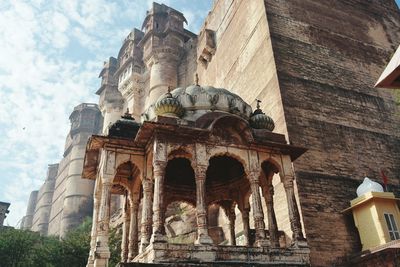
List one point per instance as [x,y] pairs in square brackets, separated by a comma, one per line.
[29,249]
[115,246]
[16,247]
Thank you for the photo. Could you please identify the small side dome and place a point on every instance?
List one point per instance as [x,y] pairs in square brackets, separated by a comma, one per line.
[259,120]
[368,186]
[169,106]
[126,127]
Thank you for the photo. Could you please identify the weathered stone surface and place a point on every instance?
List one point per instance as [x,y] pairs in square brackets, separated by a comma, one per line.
[327,66]
[44,201]
[319,64]
[27,220]
[64,199]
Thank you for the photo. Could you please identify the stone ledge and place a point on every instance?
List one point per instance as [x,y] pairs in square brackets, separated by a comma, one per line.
[211,255]
[213,264]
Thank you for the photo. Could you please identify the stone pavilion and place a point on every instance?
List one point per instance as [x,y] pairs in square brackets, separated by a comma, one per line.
[201,145]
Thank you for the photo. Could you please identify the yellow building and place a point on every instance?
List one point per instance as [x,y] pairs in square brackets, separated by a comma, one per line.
[376,215]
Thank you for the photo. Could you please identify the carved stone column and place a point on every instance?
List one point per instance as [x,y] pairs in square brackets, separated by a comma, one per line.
[246,226]
[125,232]
[294,216]
[232,217]
[133,229]
[229,209]
[146,214]
[96,205]
[272,225]
[257,210]
[201,212]
[158,204]
[102,249]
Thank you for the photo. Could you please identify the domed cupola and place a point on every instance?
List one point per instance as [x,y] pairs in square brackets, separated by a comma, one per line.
[126,127]
[193,101]
[169,106]
[259,120]
[368,186]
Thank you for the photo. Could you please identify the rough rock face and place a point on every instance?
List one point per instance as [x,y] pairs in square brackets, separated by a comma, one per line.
[180,223]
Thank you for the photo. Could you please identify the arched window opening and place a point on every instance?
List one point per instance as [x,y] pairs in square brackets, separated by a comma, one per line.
[223,170]
[224,228]
[179,172]
[180,216]
[275,214]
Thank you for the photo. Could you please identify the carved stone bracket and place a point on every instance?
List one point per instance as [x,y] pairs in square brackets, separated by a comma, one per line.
[207,46]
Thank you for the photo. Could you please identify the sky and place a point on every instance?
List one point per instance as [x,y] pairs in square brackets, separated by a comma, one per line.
[51,53]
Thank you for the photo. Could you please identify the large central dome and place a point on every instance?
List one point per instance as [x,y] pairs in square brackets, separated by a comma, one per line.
[197,100]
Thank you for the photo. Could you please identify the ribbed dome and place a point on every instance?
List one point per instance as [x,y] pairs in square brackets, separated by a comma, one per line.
[168,106]
[197,100]
[126,127]
[259,120]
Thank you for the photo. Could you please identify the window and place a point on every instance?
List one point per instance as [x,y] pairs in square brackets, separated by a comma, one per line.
[392,227]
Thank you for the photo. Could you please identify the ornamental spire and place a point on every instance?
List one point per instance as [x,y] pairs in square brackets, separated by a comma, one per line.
[127,115]
[258,103]
[169,89]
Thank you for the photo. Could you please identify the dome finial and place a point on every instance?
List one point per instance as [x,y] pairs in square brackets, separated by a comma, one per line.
[127,115]
[368,186]
[169,89]
[258,103]
[196,79]
[258,110]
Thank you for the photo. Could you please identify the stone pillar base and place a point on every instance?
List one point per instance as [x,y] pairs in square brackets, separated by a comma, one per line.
[158,238]
[143,247]
[131,257]
[100,263]
[102,254]
[204,240]
[300,244]
[262,243]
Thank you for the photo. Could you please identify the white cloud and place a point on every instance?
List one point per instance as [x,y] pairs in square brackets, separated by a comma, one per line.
[38,89]
[51,54]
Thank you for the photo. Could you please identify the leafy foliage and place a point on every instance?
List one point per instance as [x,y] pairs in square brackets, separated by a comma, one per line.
[115,246]
[28,249]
